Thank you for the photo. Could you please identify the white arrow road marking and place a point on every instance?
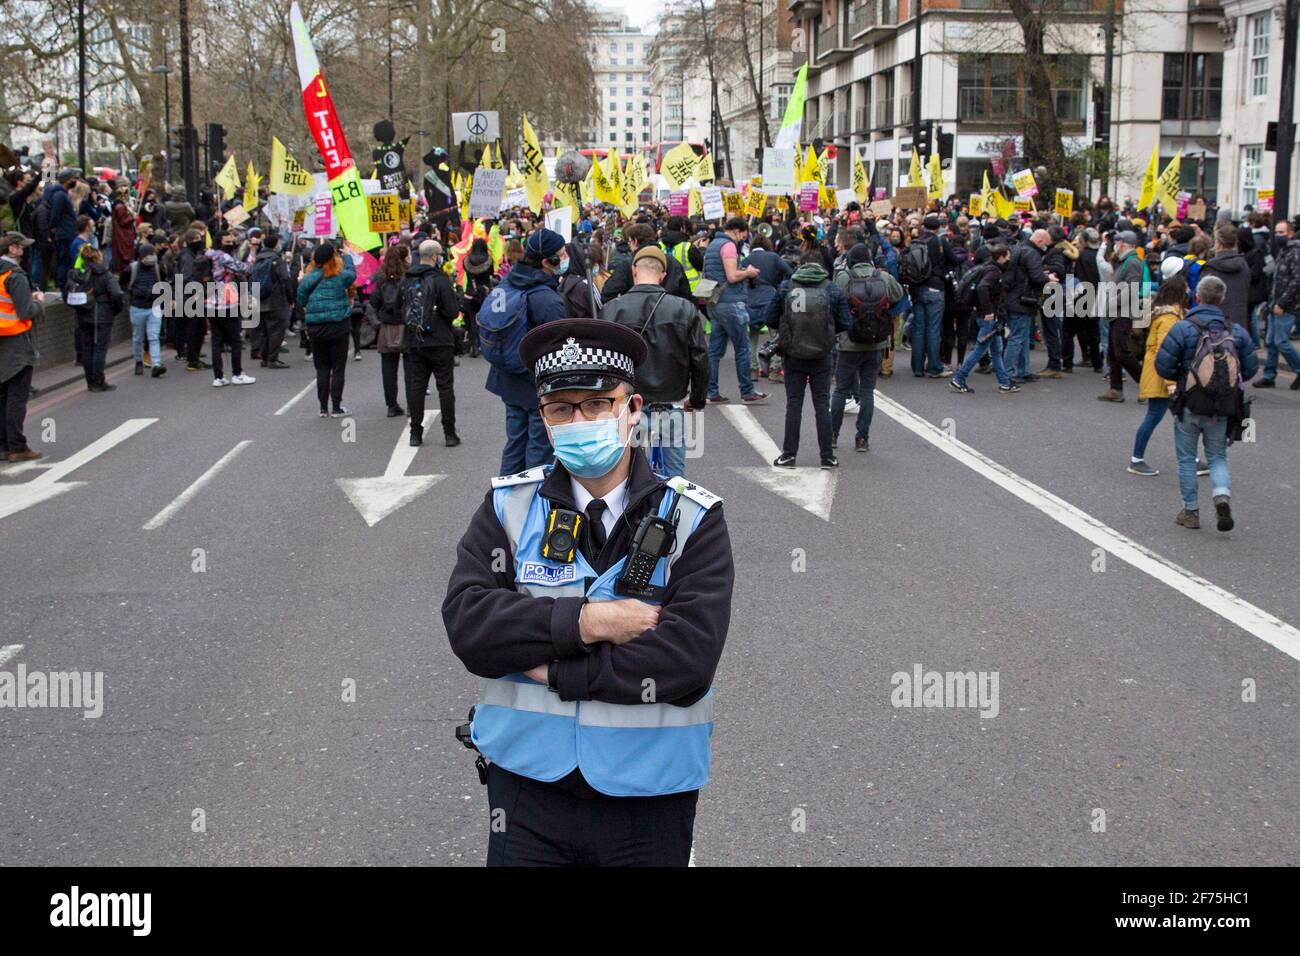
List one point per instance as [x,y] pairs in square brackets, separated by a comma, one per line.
[162,517]
[377,498]
[812,489]
[1227,605]
[8,652]
[297,398]
[23,466]
[15,498]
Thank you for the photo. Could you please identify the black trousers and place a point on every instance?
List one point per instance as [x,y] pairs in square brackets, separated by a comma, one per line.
[1118,353]
[14,394]
[92,345]
[270,333]
[225,331]
[196,330]
[1076,328]
[438,361]
[330,356]
[956,330]
[388,362]
[546,824]
[817,376]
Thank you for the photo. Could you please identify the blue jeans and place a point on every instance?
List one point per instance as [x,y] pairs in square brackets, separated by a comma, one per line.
[667,432]
[1017,360]
[855,374]
[1187,430]
[146,321]
[1279,341]
[1103,337]
[729,320]
[1156,408]
[1255,314]
[527,444]
[987,341]
[927,323]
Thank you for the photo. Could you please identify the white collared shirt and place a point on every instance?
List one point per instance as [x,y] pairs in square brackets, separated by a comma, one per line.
[615,501]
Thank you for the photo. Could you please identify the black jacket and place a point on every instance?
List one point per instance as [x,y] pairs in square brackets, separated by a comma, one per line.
[620,280]
[1025,276]
[107,297]
[991,294]
[278,297]
[141,294]
[386,300]
[441,303]
[1085,267]
[495,630]
[677,359]
[942,261]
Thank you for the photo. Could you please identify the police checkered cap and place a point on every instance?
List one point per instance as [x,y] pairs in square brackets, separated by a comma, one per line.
[582,353]
[572,357]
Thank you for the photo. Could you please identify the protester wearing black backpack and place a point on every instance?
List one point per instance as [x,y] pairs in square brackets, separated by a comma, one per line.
[982,292]
[808,311]
[429,305]
[272,279]
[922,267]
[1208,358]
[871,293]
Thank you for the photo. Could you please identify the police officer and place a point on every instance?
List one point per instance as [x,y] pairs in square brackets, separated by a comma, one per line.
[593,598]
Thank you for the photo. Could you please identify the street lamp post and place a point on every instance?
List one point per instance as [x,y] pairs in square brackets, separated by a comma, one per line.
[188,157]
[81,85]
[165,72]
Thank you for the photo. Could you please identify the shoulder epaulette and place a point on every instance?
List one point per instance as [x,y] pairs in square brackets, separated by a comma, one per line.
[531,476]
[688,489]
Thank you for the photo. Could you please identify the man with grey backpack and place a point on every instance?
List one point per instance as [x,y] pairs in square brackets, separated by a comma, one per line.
[808,312]
[1209,359]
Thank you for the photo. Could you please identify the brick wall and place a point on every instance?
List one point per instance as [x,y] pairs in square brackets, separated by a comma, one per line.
[54,342]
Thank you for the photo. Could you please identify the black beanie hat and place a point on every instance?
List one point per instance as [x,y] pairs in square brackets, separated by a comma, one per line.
[323,254]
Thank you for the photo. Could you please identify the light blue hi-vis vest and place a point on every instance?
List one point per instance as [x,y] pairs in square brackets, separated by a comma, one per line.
[623,750]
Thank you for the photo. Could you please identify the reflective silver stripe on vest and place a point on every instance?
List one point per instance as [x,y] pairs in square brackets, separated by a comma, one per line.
[536,698]
[514,511]
[595,713]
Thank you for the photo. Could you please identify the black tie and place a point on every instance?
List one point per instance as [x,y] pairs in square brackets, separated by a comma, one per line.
[596,524]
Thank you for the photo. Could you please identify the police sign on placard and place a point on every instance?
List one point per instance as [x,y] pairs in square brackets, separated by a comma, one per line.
[384,215]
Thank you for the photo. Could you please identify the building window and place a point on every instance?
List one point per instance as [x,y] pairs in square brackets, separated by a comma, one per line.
[780,100]
[613,137]
[645,137]
[629,121]
[1252,161]
[645,121]
[645,107]
[613,121]
[1258,39]
[993,88]
[629,91]
[1193,86]
[627,78]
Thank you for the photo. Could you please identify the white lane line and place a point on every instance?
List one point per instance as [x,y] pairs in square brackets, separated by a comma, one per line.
[162,517]
[1227,605]
[403,453]
[8,652]
[92,451]
[743,420]
[812,489]
[297,398]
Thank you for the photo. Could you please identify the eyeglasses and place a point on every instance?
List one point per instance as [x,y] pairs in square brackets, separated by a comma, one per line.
[557,413]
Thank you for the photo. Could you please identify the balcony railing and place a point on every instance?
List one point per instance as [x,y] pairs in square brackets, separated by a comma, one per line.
[842,125]
[884,113]
[979,104]
[865,17]
[861,119]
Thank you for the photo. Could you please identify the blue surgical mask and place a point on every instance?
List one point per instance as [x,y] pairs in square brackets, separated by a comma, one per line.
[589,449]
[564,267]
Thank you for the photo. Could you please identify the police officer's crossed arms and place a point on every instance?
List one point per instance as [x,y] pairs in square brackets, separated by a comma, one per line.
[594,599]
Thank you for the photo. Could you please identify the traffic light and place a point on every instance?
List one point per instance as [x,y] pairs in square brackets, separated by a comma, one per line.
[945,148]
[216,148]
[923,139]
[1270,139]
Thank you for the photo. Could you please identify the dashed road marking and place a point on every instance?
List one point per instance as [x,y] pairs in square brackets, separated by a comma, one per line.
[162,517]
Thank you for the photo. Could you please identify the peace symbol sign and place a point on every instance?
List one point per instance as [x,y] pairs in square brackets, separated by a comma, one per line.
[477,124]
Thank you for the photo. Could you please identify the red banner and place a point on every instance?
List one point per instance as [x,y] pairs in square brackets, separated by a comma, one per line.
[325,127]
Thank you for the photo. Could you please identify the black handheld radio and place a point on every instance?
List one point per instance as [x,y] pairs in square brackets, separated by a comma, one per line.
[655,537]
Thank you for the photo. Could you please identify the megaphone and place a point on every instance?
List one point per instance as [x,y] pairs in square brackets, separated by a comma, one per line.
[764,229]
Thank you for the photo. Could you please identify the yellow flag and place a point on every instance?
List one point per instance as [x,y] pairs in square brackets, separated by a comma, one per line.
[642,176]
[914,177]
[536,182]
[824,164]
[614,173]
[486,159]
[704,169]
[986,197]
[1167,185]
[812,170]
[228,178]
[696,204]
[287,175]
[251,182]
[1149,179]
[1004,206]
[567,194]
[679,164]
[861,182]
[605,185]
[629,188]
[936,178]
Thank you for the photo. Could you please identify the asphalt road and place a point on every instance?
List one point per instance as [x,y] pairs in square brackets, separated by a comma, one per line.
[1119,690]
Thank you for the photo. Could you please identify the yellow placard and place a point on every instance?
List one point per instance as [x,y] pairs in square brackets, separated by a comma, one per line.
[755,202]
[679,164]
[1064,202]
[1023,205]
[733,202]
[406,211]
[383,212]
[832,200]
[782,203]
[975,205]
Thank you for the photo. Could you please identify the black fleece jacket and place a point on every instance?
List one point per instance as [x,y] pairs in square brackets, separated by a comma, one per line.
[496,630]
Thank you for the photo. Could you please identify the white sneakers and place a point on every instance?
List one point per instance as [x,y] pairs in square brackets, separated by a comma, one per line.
[218,382]
[851,406]
[242,379]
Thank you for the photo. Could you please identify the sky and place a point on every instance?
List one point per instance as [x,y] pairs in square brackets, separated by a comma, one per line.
[639,13]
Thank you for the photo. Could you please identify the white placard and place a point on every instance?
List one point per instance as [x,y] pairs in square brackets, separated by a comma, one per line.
[778,170]
[489,187]
[515,197]
[481,126]
[561,221]
[711,197]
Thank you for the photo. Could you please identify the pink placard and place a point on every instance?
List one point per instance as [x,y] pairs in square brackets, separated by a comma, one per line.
[679,204]
[998,168]
[324,216]
[881,193]
[1183,201]
[808,197]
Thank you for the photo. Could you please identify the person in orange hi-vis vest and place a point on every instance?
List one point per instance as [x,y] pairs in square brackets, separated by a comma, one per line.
[19,306]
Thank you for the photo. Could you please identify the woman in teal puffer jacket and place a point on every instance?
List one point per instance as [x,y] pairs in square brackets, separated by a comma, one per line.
[327,308]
